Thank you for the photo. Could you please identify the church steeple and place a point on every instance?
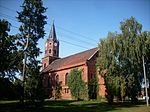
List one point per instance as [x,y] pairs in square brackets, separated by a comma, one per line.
[51,48]
[52,34]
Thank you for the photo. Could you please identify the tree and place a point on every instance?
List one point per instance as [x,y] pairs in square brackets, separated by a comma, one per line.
[8,51]
[107,61]
[93,88]
[121,54]
[34,89]
[32,28]
[143,51]
[122,88]
[58,90]
[76,84]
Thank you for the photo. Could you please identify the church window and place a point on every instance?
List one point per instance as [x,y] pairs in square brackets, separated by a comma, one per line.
[50,50]
[50,43]
[44,65]
[66,79]
[66,90]
[57,79]
[49,81]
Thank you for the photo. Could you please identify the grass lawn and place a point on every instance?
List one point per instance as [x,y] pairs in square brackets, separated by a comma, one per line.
[74,106]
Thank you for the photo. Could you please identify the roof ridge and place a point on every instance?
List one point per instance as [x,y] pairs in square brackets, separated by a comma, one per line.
[74,54]
[79,53]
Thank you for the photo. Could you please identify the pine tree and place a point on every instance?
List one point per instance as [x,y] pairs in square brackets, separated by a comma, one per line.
[32,28]
[8,51]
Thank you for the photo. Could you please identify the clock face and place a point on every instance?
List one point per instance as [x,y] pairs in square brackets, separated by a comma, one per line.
[55,44]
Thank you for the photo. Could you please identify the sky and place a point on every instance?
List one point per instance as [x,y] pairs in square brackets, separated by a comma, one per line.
[80,24]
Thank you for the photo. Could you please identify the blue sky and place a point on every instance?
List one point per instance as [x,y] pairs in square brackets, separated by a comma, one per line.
[82,22]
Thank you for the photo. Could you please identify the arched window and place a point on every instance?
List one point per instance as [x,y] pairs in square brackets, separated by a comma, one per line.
[44,65]
[57,79]
[66,79]
[50,51]
[49,81]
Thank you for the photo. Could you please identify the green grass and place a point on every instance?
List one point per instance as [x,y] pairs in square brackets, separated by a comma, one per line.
[74,106]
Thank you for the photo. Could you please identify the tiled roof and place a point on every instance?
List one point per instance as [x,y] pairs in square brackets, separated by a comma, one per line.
[71,60]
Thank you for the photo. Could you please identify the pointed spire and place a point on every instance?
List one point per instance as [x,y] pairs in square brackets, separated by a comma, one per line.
[52,34]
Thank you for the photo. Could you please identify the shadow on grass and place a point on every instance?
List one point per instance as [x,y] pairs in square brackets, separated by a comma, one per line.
[85,106]
[67,106]
[77,106]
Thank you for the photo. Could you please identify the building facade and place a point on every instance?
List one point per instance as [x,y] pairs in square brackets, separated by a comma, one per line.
[56,70]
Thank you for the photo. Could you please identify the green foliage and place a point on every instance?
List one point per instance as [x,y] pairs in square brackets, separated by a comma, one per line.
[76,84]
[58,90]
[32,27]
[8,51]
[121,54]
[6,87]
[33,88]
[123,88]
[18,88]
[93,88]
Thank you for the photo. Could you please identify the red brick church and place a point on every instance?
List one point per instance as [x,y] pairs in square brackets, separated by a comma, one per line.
[56,70]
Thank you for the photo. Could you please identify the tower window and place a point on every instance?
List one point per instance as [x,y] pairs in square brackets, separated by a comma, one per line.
[55,52]
[44,65]
[50,43]
[50,50]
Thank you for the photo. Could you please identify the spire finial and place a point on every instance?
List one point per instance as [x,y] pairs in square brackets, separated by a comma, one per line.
[53,20]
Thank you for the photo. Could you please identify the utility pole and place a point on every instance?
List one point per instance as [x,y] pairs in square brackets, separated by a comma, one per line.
[145,82]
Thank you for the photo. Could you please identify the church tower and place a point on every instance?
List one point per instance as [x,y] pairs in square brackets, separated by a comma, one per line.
[51,48]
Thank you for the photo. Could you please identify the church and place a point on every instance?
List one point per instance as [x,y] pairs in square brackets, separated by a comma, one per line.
[55,70]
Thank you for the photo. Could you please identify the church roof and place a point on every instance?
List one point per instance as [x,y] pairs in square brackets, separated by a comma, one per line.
[71,61]
[52,34]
